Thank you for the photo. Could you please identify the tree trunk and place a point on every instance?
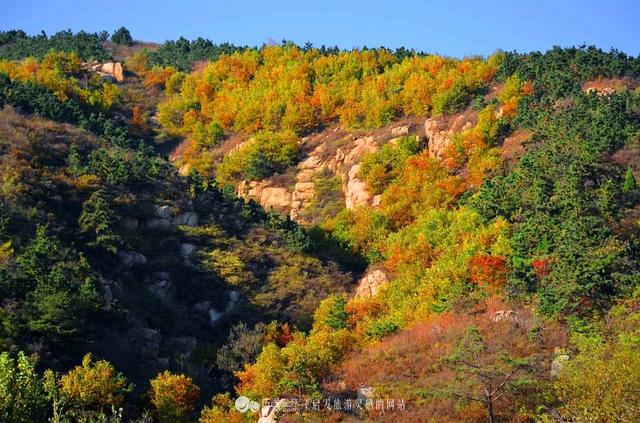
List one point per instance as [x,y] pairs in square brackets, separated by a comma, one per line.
[490,417]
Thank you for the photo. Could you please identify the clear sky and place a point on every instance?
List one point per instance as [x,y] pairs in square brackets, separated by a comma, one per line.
[455,28]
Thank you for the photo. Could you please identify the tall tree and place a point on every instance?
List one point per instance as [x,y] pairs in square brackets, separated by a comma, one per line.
[122,36]
[484,371]
[97,219]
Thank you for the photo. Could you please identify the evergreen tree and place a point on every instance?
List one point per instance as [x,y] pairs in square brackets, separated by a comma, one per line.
[122,36]
[629,183]
[97,219]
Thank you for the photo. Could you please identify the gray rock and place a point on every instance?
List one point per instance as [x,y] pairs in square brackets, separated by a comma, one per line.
[159,223]
[107,295]
[163,212]
[233,297]
[207,310]
[187,219]
[131,258]
[161,286]
[146,341]
[187,249]
[365,393]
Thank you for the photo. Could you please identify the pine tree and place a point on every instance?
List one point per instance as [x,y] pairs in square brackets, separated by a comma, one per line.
[629,183]
[122,36]
[97,219]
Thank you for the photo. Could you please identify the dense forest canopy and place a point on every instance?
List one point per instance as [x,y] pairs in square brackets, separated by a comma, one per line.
[137,285]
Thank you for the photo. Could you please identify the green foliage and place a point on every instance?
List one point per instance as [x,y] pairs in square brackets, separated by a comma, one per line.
[122,36]
[562,199]
[97,219]
[601,381]
[16,44]
[629,183]
[22,396]
[28,97]
[182,53]
[267,153]
[328,199]
[337,315]
[382,167]
[383,327]
[59,291]
[206,136]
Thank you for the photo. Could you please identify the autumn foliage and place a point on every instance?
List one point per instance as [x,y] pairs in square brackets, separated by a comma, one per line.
[94,385]
[174,397]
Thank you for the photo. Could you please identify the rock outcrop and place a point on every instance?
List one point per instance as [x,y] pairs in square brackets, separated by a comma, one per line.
[131,258]
[369,285]
[160,285]
[440,130]
[344,162]
[113,70]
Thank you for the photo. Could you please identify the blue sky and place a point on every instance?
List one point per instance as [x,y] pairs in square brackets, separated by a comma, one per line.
[456,28]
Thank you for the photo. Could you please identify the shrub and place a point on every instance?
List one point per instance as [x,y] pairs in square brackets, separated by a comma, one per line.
[94,386]
[22,395]
[174,397]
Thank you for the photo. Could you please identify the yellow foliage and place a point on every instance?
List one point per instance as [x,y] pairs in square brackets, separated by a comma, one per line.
[94,385]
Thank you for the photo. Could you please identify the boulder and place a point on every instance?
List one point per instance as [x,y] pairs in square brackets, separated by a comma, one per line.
[186,219]
[366,393]
[107,295]
[399,131]
[303,191]
[161,286]
[109,69]
[184,170]
[276,198]
[233,297]
[269,413]
[362,146]
[163,212]
[207,310]
[501,315]
[131,258]
[369,285]
[187,249]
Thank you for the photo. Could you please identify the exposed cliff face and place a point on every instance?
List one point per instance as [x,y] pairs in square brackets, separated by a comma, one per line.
[439,130]
[340,155]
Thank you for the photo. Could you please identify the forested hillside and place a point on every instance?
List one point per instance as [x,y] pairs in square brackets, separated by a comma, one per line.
[361,235]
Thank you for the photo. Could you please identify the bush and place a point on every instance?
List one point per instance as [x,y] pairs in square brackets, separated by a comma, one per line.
[22,395]
[267,153]
[174,397]
[94,386]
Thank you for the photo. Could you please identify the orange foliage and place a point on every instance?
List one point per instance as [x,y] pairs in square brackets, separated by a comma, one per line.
[158,76]
[541,267]
[489,272]
[362,309]
[174,396]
